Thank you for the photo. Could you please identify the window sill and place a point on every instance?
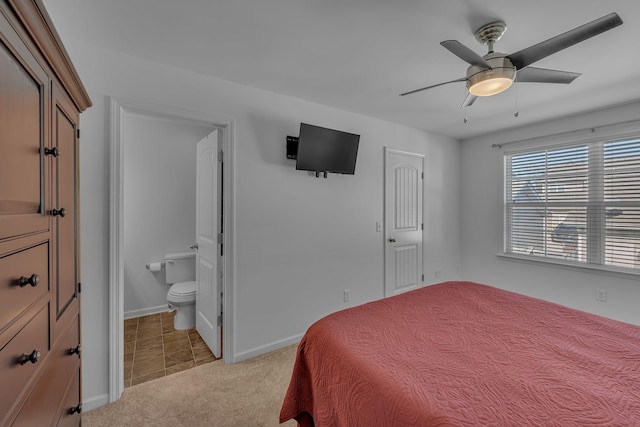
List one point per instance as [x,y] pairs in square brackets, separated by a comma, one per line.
[585,268]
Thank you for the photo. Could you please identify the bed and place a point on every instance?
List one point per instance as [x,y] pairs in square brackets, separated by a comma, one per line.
[465,354]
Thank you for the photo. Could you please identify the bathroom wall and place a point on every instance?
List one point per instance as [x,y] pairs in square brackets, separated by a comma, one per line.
[159,203]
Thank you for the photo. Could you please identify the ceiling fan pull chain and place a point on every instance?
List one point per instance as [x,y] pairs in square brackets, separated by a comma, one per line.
[466,94]
[465,113]
[515,80]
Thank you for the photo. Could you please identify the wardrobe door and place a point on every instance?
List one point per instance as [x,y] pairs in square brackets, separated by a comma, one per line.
[23,127]
[65,209]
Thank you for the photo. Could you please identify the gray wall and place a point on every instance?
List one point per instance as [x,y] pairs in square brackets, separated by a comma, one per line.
[481,201]
[299,241]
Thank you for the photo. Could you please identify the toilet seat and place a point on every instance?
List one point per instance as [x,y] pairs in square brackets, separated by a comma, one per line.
[182,292]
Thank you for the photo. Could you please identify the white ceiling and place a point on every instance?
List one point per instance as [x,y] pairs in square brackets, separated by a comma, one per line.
[358,55]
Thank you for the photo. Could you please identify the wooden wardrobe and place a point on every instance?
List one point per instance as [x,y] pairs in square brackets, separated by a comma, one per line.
[41,97]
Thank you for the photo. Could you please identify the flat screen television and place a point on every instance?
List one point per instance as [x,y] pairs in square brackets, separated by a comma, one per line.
[326,150]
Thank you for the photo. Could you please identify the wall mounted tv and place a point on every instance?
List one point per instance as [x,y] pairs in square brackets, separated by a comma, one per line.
[326,150]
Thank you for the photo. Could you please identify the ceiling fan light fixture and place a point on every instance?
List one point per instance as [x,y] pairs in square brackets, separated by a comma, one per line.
[490,85]
[483,81]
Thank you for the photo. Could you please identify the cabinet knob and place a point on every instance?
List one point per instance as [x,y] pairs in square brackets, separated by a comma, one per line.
[56,212]
[33,280]
[392,240]
[76,409]
[33,357]
[52,152]
[76,350]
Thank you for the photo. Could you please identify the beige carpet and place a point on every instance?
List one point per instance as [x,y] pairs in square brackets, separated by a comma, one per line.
[248,393]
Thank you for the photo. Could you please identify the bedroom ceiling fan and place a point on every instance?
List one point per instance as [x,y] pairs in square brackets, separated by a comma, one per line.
[495,72]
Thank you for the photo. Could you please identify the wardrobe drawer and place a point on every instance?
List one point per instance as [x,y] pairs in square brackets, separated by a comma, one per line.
[24,277]
[21,357]
[44,404]
[72,406]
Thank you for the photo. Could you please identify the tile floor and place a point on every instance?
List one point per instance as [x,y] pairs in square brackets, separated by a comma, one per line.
[153,348]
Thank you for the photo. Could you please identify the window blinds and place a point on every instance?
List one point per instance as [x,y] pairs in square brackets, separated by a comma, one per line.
[578,203]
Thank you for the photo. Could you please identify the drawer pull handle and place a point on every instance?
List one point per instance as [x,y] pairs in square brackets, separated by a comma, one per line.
[52,151]
[33,280]
[76,350]
[33,357]
[56,212]
[76,409]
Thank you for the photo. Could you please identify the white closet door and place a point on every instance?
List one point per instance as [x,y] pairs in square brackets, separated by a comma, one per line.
[403,196]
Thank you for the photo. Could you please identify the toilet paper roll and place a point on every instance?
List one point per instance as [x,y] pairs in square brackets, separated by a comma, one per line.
[155,266]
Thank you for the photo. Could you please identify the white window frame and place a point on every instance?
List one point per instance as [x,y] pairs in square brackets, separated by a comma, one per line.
[610,133]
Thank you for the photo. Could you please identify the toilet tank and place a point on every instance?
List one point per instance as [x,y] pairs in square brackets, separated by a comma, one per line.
[180,267]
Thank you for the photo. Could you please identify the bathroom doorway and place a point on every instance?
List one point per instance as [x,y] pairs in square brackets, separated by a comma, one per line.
[164,199]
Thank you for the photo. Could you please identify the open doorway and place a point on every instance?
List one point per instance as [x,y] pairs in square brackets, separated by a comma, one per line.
[125,115]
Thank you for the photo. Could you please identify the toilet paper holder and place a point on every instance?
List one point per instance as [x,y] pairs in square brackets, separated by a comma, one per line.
[162,265]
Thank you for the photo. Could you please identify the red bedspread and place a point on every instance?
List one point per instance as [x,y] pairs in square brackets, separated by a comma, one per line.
[464,354]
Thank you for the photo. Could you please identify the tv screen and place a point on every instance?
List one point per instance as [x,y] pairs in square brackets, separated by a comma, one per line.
[326,150]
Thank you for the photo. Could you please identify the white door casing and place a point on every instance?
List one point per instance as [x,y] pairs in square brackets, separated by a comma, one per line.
[208,292]
[404,222]
[119,108]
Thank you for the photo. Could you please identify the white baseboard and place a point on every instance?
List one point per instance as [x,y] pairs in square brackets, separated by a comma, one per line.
[257,351]
[94,402]
[146,311]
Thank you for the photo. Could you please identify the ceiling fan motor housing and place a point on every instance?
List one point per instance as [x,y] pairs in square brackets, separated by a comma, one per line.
[491,32]
[482,81]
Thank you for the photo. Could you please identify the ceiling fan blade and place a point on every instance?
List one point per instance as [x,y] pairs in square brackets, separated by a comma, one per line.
[469,100]
[555,44]
[464,53]
[542,75]
[461,79]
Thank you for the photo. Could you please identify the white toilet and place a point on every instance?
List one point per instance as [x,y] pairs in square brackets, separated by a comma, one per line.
[180,269]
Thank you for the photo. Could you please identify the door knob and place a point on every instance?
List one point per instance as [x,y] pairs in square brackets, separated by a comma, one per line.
[392,240]
[56,212]
[194,246]
[52,152]
[33,281]
[33,357]
[76,350]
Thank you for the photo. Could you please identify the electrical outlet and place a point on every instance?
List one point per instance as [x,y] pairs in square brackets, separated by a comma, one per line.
[601,295]
[347,295]
[437,274]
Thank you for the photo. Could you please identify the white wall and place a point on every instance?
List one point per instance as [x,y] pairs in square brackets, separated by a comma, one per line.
[481,195]
[159,203]
[299,240]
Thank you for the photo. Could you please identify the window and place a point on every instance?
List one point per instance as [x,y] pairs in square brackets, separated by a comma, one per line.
[578,203]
